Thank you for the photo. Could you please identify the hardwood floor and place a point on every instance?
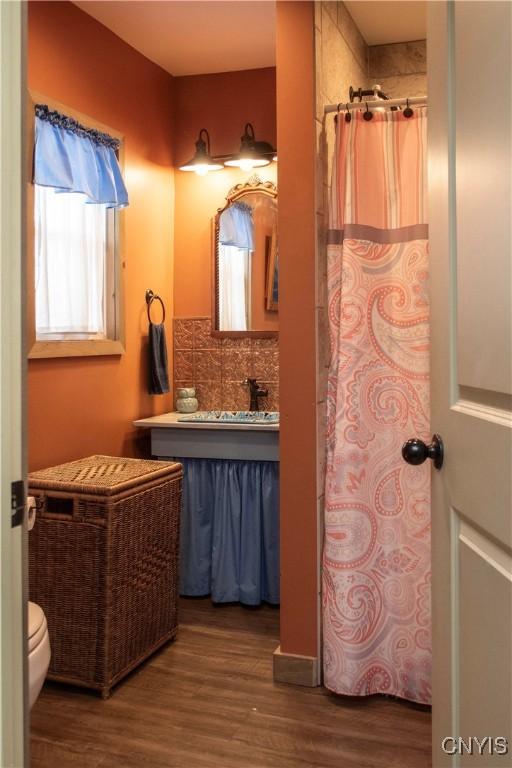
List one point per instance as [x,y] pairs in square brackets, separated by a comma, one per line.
[209,700]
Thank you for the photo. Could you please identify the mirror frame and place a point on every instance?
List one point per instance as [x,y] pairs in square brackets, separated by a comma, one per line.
[253,185]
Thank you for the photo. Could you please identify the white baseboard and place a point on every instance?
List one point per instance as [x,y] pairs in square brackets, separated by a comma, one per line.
[296,670]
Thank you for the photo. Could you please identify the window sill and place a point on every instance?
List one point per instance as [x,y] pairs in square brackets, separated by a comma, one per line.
[85,348]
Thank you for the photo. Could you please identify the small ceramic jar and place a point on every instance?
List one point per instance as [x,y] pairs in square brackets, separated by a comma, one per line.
[186,401]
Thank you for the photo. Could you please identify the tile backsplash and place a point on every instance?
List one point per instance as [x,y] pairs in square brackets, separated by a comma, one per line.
[217,367]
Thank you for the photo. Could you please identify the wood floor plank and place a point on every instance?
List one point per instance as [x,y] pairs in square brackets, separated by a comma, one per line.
[46,753]
[208,701]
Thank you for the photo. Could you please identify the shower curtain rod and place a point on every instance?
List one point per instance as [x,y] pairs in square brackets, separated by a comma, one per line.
[414,101]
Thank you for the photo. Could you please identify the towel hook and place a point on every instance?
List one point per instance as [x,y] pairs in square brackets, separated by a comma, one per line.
[150,298]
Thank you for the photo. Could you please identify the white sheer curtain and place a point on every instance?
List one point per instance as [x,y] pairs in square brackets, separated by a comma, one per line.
[234,288]
[70,262]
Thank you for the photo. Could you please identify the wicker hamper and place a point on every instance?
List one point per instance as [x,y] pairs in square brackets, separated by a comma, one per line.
[104,564]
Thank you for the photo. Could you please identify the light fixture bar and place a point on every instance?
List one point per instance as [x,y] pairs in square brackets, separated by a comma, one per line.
[252,154]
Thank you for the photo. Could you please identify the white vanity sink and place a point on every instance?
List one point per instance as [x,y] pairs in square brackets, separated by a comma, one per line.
[245,435]
[231,417]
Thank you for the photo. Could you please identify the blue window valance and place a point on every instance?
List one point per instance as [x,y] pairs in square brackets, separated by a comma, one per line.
[236,226]
[72,158]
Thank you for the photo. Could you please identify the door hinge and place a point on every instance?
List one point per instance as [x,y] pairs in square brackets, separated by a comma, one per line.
[17,503]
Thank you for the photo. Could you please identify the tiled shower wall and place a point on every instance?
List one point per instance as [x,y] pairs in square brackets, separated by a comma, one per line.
[217,367]
[399,68]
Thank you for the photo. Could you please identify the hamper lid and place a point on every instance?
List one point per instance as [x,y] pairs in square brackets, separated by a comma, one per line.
[102,475]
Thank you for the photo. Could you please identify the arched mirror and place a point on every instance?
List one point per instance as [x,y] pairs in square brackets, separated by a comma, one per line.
[246,266]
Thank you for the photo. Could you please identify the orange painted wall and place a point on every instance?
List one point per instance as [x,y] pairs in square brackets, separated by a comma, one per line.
[296,141]
[80,406]
[221,103]
[83,406]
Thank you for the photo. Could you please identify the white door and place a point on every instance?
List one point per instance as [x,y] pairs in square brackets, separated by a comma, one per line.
[469,89]
[12,598]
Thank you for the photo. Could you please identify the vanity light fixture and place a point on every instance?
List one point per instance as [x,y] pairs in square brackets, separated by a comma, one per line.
[202,162]
[252,154]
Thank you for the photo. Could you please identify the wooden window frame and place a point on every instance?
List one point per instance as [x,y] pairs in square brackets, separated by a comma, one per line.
[115,326]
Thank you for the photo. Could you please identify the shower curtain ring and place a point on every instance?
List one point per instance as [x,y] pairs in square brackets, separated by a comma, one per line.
[408,112]
[348,116]
[367,114]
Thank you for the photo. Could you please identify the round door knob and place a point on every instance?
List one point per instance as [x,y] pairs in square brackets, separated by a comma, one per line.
[415,451]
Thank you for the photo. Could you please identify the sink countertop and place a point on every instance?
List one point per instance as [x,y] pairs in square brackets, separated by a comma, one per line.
[170,421]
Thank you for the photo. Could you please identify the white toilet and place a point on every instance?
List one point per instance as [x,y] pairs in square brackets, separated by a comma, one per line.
[38,651]
[38,638]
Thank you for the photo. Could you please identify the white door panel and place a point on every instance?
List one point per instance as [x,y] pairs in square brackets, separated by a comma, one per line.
[469,46]
[482,95]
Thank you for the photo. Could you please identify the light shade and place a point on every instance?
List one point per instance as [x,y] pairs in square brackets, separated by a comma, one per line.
[252,154]
[202,162]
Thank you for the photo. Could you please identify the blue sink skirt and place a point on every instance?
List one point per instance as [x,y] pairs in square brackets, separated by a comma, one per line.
[230,530]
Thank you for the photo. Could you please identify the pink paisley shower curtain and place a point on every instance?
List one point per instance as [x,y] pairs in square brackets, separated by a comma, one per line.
[376,562]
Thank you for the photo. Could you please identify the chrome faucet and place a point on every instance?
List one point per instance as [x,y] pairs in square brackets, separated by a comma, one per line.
[255,393]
